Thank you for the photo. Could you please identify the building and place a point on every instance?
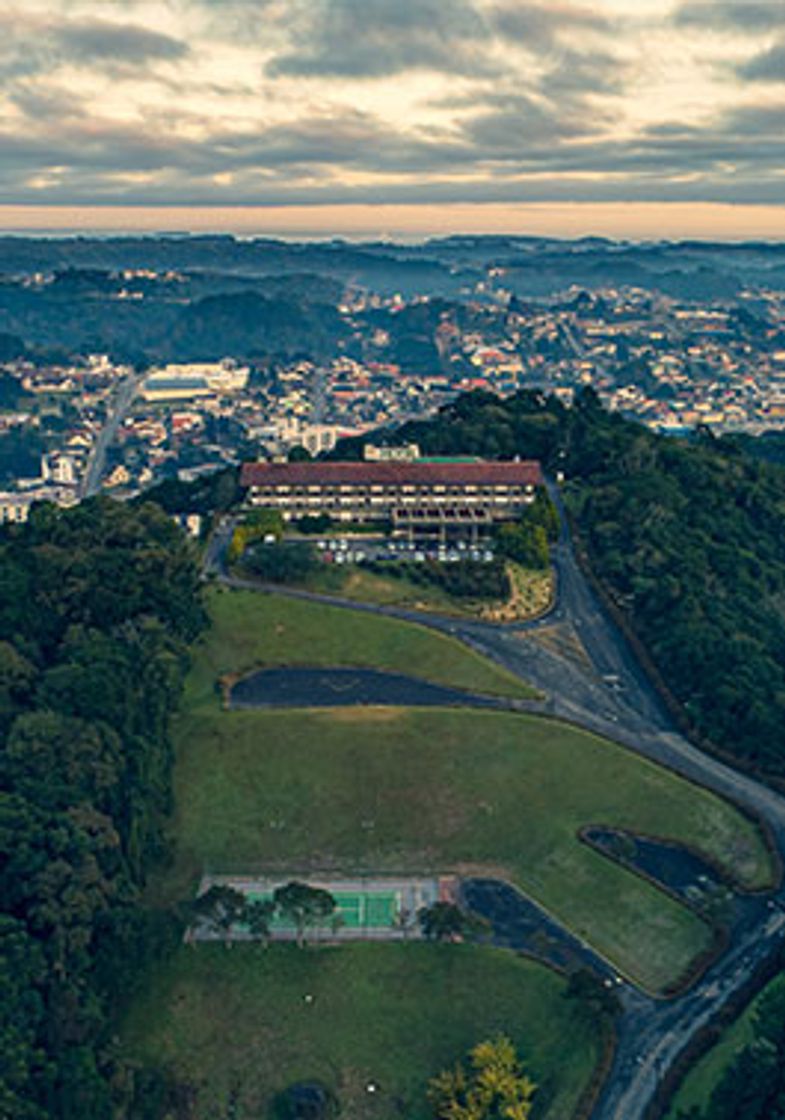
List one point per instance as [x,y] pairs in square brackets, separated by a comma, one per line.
[409,453]
[14,508]
[59,469]
[420,497]
[193,380]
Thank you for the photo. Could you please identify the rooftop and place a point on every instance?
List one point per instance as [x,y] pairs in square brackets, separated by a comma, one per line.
[422,472]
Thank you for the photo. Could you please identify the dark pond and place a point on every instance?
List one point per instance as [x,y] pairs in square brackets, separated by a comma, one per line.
[676,868]
[518,923]
[328,688]
[684,873]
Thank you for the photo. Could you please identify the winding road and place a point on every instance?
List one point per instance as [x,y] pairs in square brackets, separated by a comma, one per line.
[605,690]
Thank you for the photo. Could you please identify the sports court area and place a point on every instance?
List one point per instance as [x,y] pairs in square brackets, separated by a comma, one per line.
[366,909]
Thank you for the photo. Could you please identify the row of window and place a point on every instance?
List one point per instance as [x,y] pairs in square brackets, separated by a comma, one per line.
[391,491]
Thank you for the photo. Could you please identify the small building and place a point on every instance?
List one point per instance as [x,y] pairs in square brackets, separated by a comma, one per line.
[14,508]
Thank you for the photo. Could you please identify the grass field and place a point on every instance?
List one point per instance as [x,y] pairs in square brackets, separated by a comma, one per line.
[397,790]
[697,1087]
[531,592]
[253,630]
[394,1014]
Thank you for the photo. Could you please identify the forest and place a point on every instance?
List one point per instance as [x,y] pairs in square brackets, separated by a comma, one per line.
[97,606]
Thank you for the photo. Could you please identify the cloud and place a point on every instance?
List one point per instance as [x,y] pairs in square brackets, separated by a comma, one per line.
[500,100]
[509,124]
[753,16]
[577,74]
[376,38]
[768,66]
[100,40]
[35,44]
[540,25]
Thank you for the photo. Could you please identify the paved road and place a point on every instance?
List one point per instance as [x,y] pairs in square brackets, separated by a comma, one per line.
[611,695]
[121,402]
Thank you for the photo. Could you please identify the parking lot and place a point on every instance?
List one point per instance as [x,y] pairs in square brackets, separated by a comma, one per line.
[344,550]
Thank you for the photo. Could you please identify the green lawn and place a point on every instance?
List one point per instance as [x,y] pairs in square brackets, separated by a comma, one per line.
[531,592]
[252,629]
[699,1083]
[391,790]
[392,1014]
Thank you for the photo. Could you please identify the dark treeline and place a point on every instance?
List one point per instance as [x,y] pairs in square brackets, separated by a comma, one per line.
[97,606]
[687,537]
[753,1085]
[213,493]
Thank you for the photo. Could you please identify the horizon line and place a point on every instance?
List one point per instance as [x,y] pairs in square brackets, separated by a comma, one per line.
[637,221]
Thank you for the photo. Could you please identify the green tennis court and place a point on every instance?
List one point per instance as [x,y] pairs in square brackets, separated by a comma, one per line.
[357,909]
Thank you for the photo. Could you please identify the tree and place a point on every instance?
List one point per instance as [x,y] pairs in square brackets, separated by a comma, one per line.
[283,562]
[403,920]
[596,999]
[220,907]
[304,906]
[492,1085]
[258,915]
[96,606]
[445,921]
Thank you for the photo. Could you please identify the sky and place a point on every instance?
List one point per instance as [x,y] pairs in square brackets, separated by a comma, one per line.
[394,117]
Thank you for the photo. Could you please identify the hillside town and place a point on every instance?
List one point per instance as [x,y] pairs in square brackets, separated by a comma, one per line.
[673,365]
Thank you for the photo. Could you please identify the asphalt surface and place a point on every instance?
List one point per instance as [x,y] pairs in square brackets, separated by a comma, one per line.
[609,693]
[327,688]
[120,406]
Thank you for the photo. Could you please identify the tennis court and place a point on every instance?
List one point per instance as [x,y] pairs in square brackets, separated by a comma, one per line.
[356,909]
[359,911]
[365,909]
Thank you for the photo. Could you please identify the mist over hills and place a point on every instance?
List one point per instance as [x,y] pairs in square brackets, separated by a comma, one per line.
[165,297]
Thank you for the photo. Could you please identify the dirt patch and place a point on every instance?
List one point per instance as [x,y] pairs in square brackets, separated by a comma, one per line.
[531,594]
[363,715]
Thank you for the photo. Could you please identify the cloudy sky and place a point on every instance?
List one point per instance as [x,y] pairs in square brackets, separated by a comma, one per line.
[342,114]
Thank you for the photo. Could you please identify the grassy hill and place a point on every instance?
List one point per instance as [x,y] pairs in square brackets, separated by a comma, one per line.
[400,789]
[251,630]
[431,790]
[237,1022]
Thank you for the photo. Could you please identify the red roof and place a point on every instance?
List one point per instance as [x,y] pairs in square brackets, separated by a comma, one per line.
[478,473]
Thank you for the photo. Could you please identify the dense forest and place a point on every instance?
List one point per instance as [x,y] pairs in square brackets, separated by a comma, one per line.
[687,538]
[97,606]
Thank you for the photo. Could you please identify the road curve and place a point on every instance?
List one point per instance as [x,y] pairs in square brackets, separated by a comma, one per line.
[614,698]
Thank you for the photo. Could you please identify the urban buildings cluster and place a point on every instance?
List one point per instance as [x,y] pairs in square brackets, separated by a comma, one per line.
[671,364]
